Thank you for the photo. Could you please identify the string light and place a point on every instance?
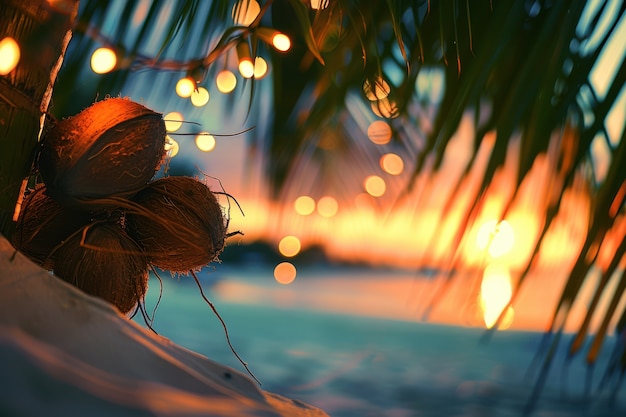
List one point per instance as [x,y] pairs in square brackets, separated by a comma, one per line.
[260,67]
[304,205]
[380,90]
[173,121]
[171,147]
[281,42]
[103,60]
[379,132]
[226,81]
[245,12]
[327,206]
[374,185]
[205,142]
[185,87]
[9,55]
[392,164]
[200,97]
[285,273]
[289,246]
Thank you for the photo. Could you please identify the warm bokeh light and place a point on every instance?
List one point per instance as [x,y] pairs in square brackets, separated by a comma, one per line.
[392,163]
[319,4]
[246,68]
[9,55]
[289,246]
[200,97]
[495,293]
[281,42]
[304,205]
[497,238]
[103,60]
[380,91]
[185,87]
[260,67]
[171,147]
[327,206]
[374,185]
[173,121]
[205,142]
[245,11]
[285,273]
[226,81]
[379,132]
[385,108]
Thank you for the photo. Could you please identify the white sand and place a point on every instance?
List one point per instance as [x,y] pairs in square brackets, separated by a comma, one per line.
[65,353]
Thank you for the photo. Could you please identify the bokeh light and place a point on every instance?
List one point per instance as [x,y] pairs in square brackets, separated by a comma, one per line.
[246,68]
[281,42]
[185,87]
[205,142]
[496,237]
[385,108]
[171,147]
[319,4]
[9,55]
[304,205]
[289,246]
[226,81]
[327,206]
[103,60]
[173,121]
[200,97]
[374,185]
[260,67]
[495,293]
[245,11]
[285,273]
[379,91]
[392,164]
[379,132]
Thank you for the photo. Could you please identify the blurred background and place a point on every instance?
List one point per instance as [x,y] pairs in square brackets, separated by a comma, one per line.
[411,178]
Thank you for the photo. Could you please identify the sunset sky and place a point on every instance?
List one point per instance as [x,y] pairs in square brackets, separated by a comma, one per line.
[381,221]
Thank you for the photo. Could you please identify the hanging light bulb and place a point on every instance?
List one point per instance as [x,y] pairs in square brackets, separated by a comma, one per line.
[245,12]
[260,67]
[281,42]
[9,55]
[226,81]
[103,60]
[246,65]
[185,87]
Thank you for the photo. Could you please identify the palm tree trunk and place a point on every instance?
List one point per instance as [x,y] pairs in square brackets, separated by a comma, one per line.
[42,29]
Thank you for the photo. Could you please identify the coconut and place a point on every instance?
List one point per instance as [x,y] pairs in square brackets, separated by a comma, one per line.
[105,262]
[181,225]
[43,224]
[110,149]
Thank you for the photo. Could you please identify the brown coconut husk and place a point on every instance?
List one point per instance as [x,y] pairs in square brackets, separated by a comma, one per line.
[42,226]
[110,149]
[103,261]
[181,225]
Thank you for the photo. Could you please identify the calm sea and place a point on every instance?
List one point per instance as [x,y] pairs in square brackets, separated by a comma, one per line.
[367,365]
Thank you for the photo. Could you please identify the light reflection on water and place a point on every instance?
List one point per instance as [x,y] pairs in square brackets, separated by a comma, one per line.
[351,365]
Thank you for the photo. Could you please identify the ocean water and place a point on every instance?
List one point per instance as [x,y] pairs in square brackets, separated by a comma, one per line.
[302,341]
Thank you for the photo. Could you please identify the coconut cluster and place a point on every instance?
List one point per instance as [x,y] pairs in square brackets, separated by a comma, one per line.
[100,221]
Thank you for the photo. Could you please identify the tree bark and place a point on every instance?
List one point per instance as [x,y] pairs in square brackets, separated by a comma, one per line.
[42,29]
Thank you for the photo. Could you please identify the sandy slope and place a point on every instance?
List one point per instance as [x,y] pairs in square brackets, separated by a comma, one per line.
[65,353]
